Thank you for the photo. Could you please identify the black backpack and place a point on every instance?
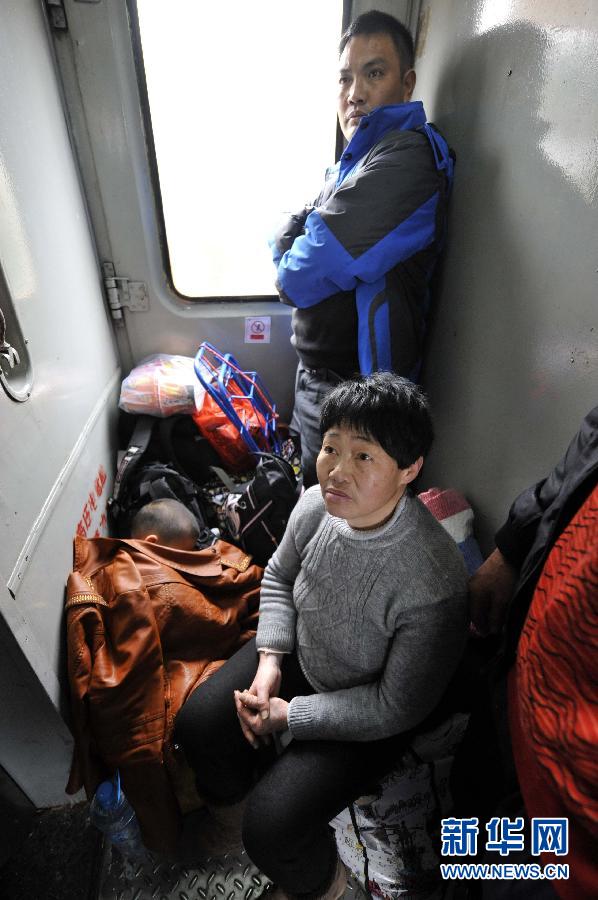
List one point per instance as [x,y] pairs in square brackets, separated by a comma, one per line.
[255,513]
[152,469]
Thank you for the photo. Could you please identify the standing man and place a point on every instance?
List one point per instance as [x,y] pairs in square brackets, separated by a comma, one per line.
[356,265]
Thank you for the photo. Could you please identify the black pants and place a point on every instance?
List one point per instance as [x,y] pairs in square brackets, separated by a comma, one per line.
[311,386]
[292,796]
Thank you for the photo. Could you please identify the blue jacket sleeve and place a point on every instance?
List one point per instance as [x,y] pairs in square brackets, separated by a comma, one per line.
[378,217]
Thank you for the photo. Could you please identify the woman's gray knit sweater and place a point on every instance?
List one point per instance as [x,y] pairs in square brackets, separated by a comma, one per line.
[378,618]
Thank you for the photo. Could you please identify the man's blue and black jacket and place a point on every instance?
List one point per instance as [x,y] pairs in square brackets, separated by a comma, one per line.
[356,266]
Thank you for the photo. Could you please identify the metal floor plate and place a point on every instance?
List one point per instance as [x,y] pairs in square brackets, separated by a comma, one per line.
[225,878]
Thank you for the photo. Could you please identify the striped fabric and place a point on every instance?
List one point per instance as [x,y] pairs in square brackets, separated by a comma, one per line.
[456,515]
[554,698]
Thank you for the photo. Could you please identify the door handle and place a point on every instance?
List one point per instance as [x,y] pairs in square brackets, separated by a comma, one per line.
[16,378]
[9,353]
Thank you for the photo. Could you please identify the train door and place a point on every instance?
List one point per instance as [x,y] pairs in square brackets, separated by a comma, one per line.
[59,383]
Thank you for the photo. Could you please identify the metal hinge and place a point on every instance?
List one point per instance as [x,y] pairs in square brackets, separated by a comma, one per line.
[57,15]
[122,293]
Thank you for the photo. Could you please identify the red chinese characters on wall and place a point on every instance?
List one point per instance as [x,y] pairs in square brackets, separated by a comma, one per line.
[93,508]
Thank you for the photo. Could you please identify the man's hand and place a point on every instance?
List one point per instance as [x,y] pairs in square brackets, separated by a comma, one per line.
[291,228]
[490,591]
[253,725]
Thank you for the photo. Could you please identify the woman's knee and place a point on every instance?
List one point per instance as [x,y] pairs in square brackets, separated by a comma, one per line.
[199,720]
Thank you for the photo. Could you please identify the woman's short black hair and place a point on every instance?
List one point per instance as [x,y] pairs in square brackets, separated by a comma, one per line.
[386,408]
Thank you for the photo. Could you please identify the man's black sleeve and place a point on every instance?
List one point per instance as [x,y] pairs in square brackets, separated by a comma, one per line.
[288,230]
[551,497]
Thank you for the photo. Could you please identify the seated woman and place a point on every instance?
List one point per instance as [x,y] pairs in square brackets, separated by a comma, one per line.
[363,619]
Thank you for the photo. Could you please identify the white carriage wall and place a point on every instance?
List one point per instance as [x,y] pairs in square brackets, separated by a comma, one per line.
[56,447]
[512,364]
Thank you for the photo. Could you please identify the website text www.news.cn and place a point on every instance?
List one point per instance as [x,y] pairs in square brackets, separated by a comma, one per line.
[460,838]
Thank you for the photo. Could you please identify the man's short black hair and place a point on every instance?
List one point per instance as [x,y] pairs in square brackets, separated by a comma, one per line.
[386,408]
[169,519]
[376,22]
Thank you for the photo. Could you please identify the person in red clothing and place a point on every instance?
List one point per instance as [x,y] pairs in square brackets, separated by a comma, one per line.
[543,579]
[553,699]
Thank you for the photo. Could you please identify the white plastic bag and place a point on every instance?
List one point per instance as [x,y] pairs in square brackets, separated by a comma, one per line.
[162,385]
[398,822]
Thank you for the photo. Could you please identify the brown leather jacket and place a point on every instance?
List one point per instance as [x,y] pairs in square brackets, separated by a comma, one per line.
[145,625]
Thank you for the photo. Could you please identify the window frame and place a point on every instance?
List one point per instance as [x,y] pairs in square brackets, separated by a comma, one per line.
[148,134]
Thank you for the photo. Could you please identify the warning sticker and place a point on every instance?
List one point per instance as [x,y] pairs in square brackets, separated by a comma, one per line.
[257,329]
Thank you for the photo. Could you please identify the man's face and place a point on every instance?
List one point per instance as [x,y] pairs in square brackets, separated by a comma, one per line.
[370,76]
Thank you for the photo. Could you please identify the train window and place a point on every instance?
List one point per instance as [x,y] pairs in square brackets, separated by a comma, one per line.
[241,101]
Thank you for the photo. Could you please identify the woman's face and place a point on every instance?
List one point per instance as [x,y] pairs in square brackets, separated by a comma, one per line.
[359,481]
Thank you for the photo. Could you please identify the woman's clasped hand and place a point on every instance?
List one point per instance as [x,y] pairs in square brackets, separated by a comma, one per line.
[260,712]
[253,724]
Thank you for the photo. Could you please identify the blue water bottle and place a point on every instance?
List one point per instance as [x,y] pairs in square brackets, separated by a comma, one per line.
[111,812]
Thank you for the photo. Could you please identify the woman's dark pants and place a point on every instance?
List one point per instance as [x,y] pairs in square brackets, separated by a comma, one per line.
[292,796]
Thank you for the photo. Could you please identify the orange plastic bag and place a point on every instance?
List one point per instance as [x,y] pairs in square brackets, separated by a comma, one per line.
[225,438]
[237,416]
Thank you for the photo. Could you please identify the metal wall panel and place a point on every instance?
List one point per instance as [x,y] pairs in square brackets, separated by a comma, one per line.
[47,257]
[512,363]
[54,443]
[36,744]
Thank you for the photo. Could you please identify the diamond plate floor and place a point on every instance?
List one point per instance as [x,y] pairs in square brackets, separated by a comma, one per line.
[225,878]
